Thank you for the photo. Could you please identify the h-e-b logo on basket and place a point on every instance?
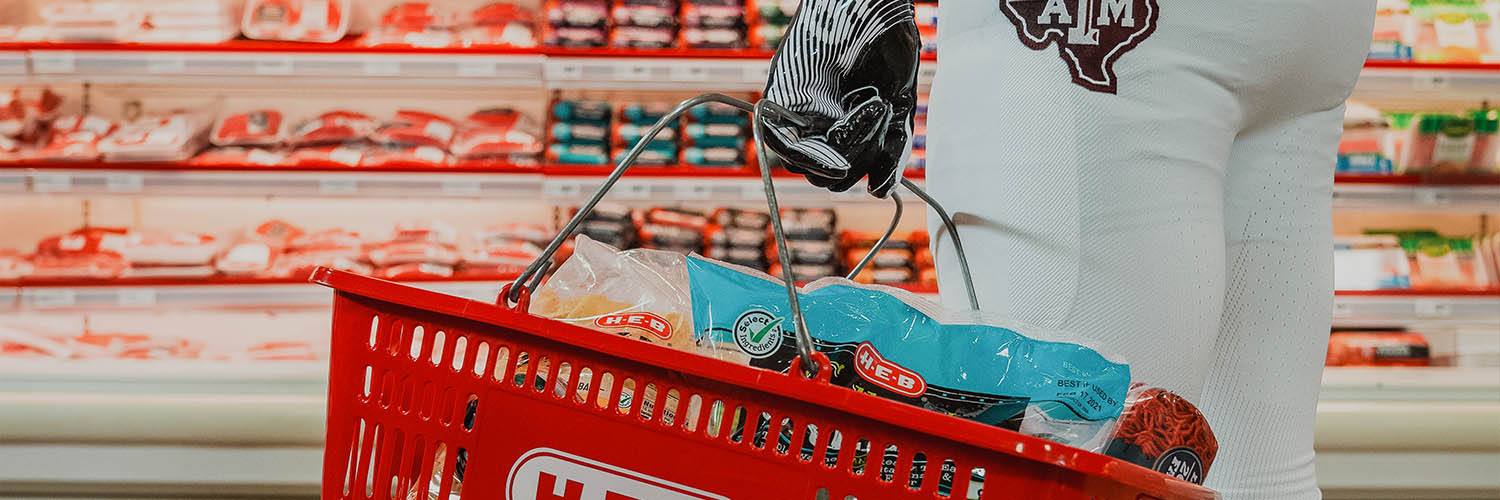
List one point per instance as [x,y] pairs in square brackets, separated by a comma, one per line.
[650,323]
[758,333]
[1181,463]
[871,366]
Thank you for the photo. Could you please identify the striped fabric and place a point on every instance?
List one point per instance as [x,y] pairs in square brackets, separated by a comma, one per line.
[823,45]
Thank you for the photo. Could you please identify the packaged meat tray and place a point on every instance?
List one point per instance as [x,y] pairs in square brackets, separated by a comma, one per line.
[297,20]
[418,156]
[416,128]
[74,138]
[500,134]
[329,156]
[420,243]
[333,127]
[261,127]
[172,137]
[168,249]
[239,156]
[1378,348]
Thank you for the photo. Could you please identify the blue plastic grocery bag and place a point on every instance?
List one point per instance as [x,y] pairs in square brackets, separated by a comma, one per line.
[893,344]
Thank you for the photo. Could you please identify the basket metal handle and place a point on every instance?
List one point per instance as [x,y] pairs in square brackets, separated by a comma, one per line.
[532,276]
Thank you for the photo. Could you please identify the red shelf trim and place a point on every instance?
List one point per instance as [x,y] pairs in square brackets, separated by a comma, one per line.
[1436,293]
[1418,180]
[1432,66]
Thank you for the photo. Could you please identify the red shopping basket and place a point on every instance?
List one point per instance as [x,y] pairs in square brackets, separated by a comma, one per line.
[436,396]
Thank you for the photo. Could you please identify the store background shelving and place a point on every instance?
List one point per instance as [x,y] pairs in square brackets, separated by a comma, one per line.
[251,428]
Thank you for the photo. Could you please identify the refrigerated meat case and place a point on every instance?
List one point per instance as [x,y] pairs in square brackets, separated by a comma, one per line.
[197,380]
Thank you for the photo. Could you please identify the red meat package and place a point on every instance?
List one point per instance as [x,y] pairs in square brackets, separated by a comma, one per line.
[169,249]
[417,128]
[432,243]
[1157,429]
[501,23]
[296,20]
[239,156]
[418,24]
[333,127]
[20,116]
[253,128]
[332,248]
[91,252]
[74,138]
[257,249]
[498,134]
[172,137]
[1378,348]
[417,156]
[494,253]
[415,270]
[329,156]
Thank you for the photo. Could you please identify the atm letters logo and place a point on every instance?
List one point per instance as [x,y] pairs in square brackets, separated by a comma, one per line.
[1090,34]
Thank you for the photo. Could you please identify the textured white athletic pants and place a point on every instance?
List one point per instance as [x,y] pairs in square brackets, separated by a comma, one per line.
[1182,223]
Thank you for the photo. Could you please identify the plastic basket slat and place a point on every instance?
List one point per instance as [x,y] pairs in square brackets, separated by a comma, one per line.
[398,420]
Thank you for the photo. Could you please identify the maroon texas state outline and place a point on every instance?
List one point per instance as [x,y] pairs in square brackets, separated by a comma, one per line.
[1091,66]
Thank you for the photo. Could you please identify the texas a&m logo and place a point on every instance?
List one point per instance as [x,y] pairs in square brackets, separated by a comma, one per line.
[1090,34]
[886,374]
[650,323]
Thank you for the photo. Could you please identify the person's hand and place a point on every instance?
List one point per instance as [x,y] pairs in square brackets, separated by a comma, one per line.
[850,67]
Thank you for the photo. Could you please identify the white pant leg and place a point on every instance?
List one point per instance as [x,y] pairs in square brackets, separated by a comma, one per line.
[1262,391]
[1122,217]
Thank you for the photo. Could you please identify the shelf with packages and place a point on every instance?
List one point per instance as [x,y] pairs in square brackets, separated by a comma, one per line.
[1387,307]
[553,183]
[1388,191]
[569,183]
[674,68]
[1430,80]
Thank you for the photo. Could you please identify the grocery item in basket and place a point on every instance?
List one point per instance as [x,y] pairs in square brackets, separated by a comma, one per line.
[1378,348]
[1159,430]
[254,128]
[296,20]
[896,345]
[642,294]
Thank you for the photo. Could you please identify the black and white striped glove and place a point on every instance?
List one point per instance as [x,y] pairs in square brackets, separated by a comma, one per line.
[851,67]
